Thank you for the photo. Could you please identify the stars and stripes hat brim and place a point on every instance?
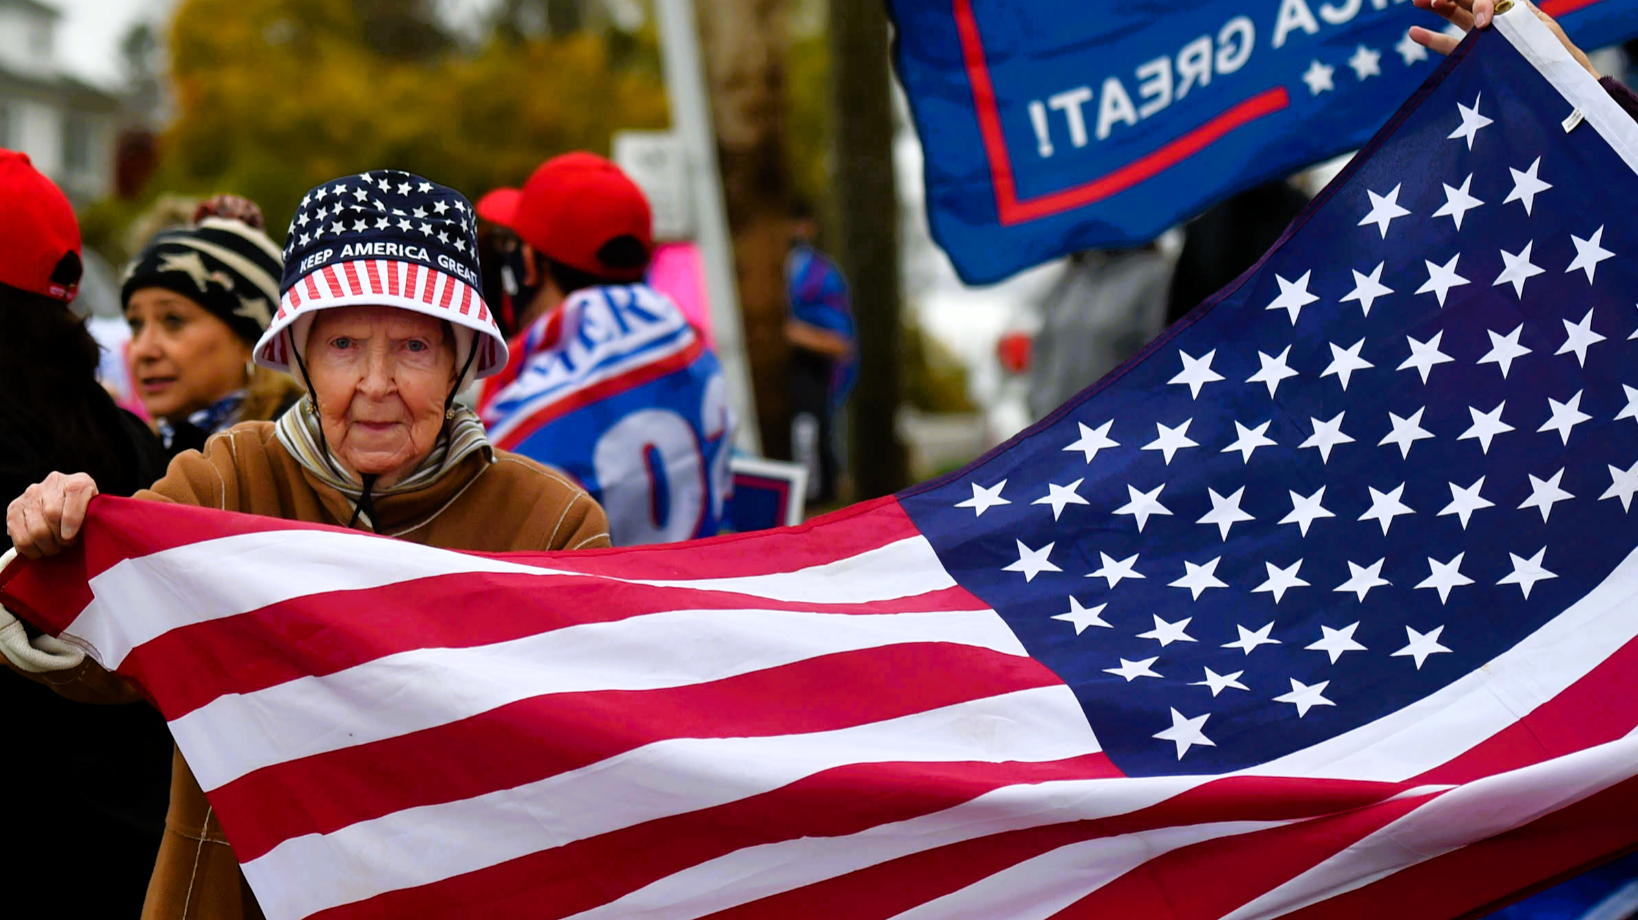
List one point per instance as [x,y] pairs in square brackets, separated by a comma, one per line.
[384,238]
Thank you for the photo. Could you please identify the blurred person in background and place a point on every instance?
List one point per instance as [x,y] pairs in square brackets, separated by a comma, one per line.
[1230,237]
[197,299]
[612,383]
[823,363]
[94,798]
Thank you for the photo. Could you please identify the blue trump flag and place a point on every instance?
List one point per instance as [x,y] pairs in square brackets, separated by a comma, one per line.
[1051,127]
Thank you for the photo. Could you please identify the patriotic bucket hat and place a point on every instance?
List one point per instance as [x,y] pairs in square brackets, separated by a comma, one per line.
[385,238]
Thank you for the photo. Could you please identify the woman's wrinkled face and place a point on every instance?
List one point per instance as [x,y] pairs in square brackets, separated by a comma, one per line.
[381,376]
[182,357]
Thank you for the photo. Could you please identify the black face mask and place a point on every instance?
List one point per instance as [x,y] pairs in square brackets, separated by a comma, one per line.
[515,268]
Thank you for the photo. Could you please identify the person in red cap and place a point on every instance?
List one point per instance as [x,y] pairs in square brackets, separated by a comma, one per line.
[608,380]
[92,790]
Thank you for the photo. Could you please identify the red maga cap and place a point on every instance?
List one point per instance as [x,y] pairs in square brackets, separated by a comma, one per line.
[500,206]
[37,232]
[576,203]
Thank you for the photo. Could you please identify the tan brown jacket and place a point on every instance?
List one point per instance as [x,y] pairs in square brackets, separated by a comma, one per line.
[511,504]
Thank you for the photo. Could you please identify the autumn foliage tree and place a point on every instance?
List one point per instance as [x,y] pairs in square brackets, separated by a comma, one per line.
[275,96]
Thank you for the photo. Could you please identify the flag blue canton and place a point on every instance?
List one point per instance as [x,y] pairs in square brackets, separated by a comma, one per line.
[386,206]
[1399,446]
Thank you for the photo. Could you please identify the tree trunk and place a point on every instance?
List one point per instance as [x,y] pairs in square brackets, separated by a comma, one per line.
[743,45]
[869,251]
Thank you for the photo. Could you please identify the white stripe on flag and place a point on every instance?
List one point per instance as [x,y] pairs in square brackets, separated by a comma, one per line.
[1475,811]
[173,588]
[1452,720]
[238,733]
[1038,888]
[419,846]
[770,869]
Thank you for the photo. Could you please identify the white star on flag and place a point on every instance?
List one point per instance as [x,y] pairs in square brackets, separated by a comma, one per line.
[1225,512]
[1421,645]
[1526,572]
[1280,580]
[1424,355]
[1486,425]
[1366,62]
[1385,210]
[1081,617]
[1198,578]
[1032,562]
[1463,502]
[1367,288]
[1132,670]
[1588,253]
[1115,572]
[1579,337]
[1517,270]
[1442,576]
[1526,186]
[1334,642]
[1171,440]
[1273,371]
[1060,496]
[1250,639]
[984,499]
[1318,77]
[1458,202]
[1304,511]
[1186,732]
[1217,683]
[1293,295]
[1545,493]
[1305,697]
[1472,121]
[1503,349]
[1441,278]
[1249,439]
[1385,506]
[1623,483]
[1406,431]
[1197,372]
[1565,416]
[1093,440]
[1326,436]
[1363,579]
[1166,633]
[1142,505]
[1631,410]
[1344,362]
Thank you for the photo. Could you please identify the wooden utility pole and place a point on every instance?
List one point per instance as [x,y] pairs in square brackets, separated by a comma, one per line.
[869,251]
[744,45]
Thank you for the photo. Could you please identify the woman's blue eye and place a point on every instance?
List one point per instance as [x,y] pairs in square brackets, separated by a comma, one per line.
[416,345]
[342,342]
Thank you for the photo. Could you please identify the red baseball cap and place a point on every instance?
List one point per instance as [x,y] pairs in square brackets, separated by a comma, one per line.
[37,232]
[572,207]
[499,206]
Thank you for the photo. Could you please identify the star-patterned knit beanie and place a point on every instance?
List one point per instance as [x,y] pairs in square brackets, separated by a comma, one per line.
[384,238]
[225,265]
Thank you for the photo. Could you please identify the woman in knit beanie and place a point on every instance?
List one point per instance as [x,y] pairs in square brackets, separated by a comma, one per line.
[197,299]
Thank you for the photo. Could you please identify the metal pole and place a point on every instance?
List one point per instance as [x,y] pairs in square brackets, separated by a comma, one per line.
[691,120]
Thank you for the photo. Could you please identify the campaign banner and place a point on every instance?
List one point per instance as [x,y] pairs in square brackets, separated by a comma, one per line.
[1054,127]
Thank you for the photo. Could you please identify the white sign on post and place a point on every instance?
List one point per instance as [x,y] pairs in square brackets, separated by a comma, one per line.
[658,163]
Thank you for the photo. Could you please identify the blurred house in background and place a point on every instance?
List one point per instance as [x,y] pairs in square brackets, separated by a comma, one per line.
[66,126]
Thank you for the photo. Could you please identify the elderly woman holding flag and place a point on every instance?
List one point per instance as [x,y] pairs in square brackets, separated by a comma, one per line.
[382,316]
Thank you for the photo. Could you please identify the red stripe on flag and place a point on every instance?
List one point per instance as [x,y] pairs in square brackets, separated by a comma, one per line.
[392,278]
[1560,7]
[466,299]
[372,268]
[336,290]
[352,278]
[432,285]
[494,608]
[295,298]
[412,274]
[329,791]
[1483,877]
[449,293]
[312,288]
[834,803]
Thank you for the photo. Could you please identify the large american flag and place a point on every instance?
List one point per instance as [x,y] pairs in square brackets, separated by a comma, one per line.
[1324,607]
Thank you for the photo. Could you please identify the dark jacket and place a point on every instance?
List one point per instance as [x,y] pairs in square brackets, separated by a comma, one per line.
[103,781]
